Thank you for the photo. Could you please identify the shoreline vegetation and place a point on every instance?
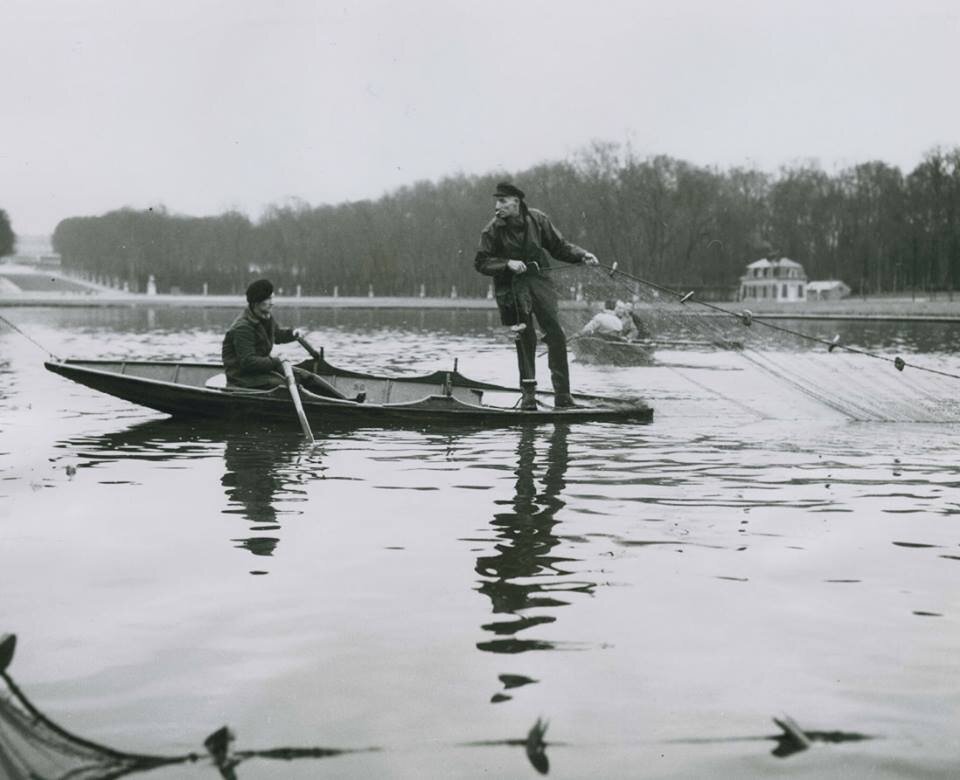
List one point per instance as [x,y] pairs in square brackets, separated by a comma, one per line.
[880,230]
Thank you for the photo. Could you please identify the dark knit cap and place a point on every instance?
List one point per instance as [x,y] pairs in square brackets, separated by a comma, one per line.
[259,291]
[506,189]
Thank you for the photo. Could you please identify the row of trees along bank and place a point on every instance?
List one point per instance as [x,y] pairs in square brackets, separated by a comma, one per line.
[661,218]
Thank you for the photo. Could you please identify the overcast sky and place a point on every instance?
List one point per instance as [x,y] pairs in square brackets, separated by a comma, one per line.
[209,105]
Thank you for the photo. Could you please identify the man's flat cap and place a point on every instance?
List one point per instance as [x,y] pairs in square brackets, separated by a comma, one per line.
[506,190]
[259,291]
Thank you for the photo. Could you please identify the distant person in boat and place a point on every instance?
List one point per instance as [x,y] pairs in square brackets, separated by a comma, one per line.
[628,328]
[634,328]
[605,324]
[249,342]
[514,249]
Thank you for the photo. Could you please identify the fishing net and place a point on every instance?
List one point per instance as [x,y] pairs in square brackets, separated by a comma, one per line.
[32,747]
[870,374]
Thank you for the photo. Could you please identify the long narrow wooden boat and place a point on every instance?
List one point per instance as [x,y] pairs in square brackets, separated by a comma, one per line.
[199,390]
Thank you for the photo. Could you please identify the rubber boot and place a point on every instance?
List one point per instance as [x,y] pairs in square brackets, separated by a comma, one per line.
[528,401]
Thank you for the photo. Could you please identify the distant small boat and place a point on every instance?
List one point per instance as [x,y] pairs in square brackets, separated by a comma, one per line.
[709,344]
[611,352]
[620,352]
[199,390]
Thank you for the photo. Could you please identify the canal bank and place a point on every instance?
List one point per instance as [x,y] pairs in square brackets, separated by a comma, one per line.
[894,309]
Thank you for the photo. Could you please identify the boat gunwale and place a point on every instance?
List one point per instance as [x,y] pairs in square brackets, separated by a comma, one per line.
[617,408]
[435,377]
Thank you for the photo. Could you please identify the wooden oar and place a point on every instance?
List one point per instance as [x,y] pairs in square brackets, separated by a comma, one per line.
[307,346]
[297,403]
[328,389]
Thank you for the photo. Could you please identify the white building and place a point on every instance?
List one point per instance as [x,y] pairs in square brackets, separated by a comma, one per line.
[827,290]
[774,280]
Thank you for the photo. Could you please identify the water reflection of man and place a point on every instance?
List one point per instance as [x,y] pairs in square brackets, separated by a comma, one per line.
[253,479]
[523,574]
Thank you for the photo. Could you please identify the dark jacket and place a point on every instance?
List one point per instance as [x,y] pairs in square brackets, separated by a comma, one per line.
[246,350]
[532,239]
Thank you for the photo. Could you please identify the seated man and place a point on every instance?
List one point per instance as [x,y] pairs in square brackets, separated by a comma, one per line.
[247,346]
[605,324]
[634,328]
[628,329]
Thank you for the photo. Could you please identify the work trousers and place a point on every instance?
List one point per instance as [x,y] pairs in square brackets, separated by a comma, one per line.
[537,298]
[305,379]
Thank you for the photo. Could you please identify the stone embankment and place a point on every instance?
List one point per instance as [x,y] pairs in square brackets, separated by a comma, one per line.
[60,290]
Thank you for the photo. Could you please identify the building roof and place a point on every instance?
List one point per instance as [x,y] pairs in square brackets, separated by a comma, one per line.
[826,284]
[783,262]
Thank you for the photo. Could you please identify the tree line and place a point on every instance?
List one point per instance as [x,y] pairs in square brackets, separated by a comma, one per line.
[660,218]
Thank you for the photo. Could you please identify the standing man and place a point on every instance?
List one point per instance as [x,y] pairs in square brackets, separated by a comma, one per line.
[249,342]
[514,249]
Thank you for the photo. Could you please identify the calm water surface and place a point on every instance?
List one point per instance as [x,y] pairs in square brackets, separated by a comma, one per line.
[657,592]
